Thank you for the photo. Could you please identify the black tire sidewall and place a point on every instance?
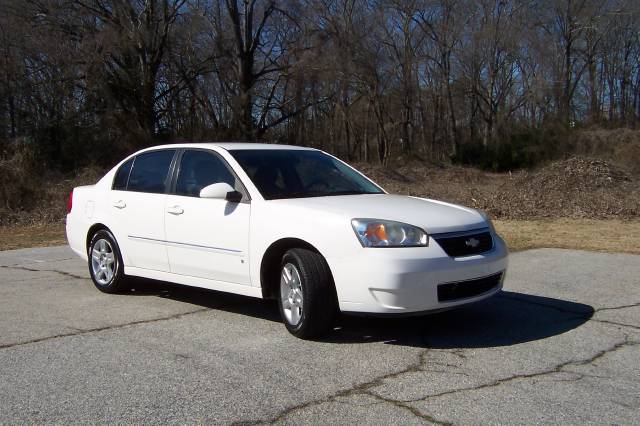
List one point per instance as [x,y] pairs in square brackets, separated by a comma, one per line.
[115,284]
[319,304]
[290,257]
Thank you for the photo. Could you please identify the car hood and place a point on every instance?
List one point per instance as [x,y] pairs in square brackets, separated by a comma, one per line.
[431,215]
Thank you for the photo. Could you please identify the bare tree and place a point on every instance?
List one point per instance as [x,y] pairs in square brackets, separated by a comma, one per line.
[131,43]
[365,79]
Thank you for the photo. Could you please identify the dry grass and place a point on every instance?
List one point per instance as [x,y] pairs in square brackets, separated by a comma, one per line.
[612,235]
[576,188]
[20,236]
[621,146]
[622,236]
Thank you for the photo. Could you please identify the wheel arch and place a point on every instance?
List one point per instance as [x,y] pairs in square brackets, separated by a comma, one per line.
[92,230]
[270,263]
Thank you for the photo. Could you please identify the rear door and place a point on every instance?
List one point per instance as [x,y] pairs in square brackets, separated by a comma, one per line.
[137,204]
[207,238]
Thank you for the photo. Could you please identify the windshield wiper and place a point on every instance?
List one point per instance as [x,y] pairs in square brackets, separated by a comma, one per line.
[296,194]
[310,194]
[350,192]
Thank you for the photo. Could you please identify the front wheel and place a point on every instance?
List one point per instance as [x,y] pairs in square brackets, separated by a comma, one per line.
[307,298]
[105,263]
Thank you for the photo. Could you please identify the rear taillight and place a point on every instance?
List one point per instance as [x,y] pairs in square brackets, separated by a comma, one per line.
[70,202]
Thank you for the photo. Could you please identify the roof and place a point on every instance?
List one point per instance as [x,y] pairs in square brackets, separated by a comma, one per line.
[231,146]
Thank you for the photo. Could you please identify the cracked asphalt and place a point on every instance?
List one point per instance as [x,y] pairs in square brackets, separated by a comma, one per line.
[558,345]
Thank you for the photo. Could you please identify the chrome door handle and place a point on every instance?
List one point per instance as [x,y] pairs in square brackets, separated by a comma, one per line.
[120,204]
[176,210]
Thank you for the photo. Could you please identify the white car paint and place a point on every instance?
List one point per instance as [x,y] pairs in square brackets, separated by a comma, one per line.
[216,244]
[218,235]
[138,219]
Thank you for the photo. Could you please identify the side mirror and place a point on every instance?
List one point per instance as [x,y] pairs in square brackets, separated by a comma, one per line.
[234,196]
[217,190]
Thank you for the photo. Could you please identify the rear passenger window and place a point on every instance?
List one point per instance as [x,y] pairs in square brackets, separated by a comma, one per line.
[122,176]
[150,170]
[199,169]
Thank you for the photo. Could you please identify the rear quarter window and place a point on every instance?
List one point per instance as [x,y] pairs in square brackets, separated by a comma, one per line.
[150,172]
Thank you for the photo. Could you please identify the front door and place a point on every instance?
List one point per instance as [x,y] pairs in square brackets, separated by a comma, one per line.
[207,238]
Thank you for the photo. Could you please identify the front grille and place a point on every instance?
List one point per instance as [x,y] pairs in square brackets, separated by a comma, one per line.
[465,245]
[463,289]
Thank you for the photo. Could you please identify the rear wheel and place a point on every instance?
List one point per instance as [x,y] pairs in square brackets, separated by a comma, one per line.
[105,263]
[307,298]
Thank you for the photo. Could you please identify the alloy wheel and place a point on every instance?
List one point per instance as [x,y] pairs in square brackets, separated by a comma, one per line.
[291,294]
[103,262]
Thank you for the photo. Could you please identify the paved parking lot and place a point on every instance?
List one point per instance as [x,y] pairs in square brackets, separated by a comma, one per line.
[559,345]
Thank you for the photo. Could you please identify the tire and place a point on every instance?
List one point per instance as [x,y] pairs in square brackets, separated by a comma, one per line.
[105,263]
[306,297]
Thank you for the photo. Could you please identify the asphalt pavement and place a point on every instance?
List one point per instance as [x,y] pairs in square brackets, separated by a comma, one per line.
[560,344]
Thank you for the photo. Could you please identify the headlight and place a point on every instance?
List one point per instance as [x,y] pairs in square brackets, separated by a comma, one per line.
[387,233]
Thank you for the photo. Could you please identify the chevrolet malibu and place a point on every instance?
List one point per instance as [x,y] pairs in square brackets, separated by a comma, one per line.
[282,222]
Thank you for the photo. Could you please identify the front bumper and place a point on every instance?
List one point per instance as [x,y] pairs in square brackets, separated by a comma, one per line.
[406,280]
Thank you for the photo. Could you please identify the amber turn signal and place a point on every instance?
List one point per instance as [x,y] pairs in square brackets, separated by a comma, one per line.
[376,231]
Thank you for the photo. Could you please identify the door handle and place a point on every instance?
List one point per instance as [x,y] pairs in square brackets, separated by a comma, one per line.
[120,204]
[175,210]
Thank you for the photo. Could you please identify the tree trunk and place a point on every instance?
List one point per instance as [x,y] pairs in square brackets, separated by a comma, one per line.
[594,103]
[12,115]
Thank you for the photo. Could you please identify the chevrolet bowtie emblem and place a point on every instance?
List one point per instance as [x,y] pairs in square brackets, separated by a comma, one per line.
[472,242]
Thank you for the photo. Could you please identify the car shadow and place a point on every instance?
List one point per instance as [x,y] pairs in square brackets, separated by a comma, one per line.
[219,300]
[505,319]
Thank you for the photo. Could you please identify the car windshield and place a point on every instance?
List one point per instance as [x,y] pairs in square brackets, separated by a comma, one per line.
[292,173]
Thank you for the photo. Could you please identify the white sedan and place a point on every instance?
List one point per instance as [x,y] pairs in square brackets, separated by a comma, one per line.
[285,222]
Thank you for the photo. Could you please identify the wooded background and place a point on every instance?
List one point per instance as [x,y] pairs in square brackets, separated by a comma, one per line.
[499,84]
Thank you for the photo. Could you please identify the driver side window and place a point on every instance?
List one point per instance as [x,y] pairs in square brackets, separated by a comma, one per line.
[199,169]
